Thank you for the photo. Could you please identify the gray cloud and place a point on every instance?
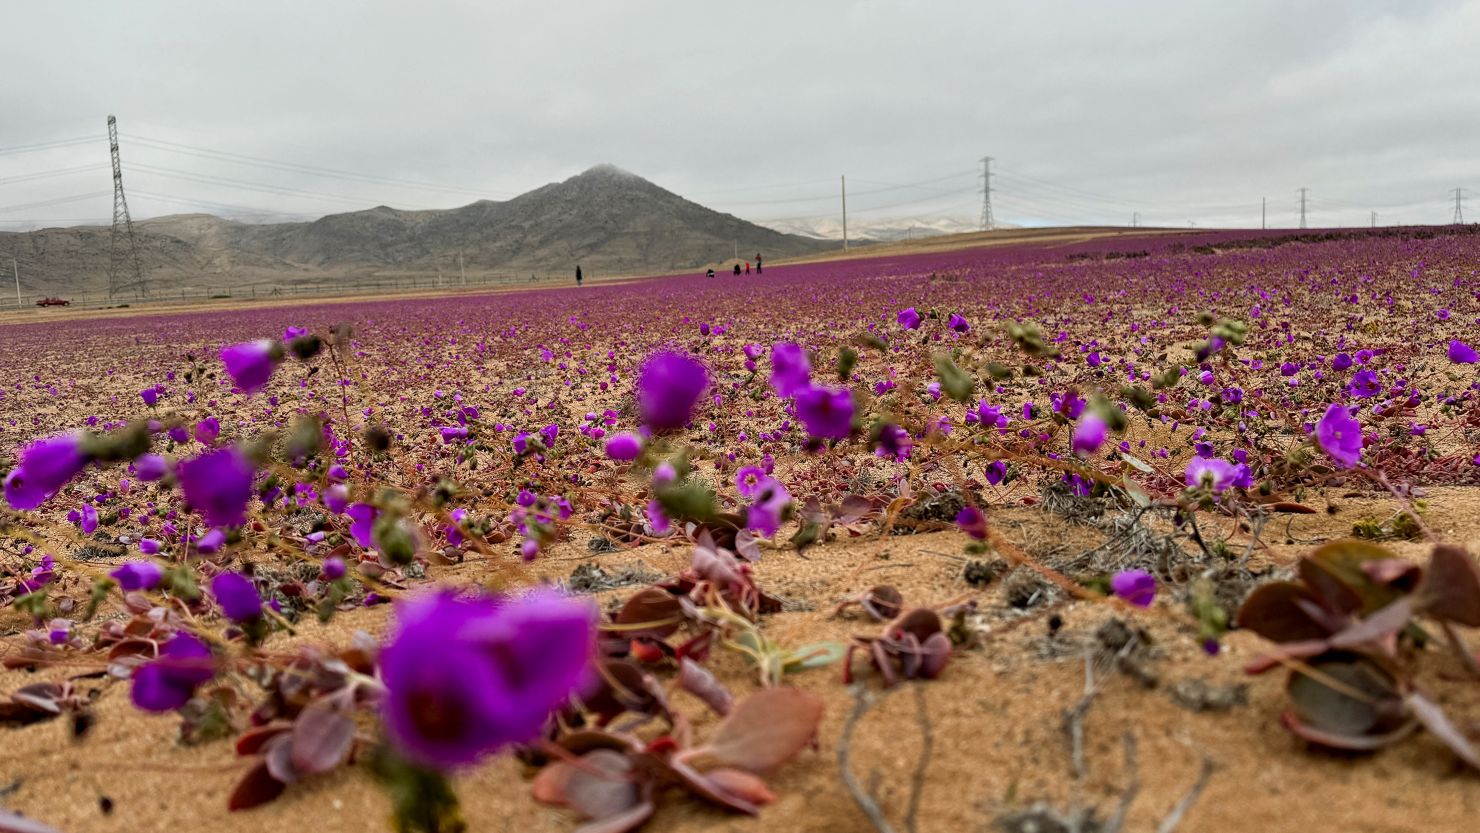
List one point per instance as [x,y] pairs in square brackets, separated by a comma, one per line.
[1181,111]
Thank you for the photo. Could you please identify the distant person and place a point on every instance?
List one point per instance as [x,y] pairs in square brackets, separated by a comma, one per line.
[578,274]
[757,263]
[710,274]
[737,268]
[747,267]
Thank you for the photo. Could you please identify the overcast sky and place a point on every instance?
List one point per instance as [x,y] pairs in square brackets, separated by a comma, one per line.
[1182,111]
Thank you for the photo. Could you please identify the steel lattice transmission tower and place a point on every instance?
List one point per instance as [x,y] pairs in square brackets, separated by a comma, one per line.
[123,266]
[1459,206]
[988,222]
[1302,206]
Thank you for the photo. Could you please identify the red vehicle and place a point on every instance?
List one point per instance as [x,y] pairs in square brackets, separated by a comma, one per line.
[53,302]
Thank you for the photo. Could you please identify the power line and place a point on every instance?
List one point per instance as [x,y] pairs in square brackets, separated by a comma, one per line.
[295,167]
[47,145]
[208,179]
[51,174]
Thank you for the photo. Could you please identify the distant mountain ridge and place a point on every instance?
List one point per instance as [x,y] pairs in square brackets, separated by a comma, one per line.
[605,219]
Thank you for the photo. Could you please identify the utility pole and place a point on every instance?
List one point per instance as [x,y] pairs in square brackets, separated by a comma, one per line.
[988,222]
[1263,212]
[123,226]
[1302,206]
[1374,219]
[460,269]
[844,179]
[737,249]
[1459,206]
[17,271]
[1135,219]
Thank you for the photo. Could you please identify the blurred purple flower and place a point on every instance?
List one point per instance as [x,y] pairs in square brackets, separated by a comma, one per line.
[250,364]
[218,484]
[624,447]
[973,522]
[908,318]
[1089,435]
[827,412]
[958,323]
[465,677]
[237,596]
[1461,353]
[138,575]
[791,371]
[668,388]
[1212,472]
[1135,586]
[168,682]
[45,467]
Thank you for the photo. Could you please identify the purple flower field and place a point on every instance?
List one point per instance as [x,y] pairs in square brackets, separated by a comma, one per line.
[649,552]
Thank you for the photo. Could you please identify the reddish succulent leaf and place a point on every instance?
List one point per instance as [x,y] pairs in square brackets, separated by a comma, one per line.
[257,787]
[1395,572]
[883,602]
[700,784]
[629,819]
[746,546]
[1328,709]
[13,823]
[1451,589]
[650,605]
[766,729]
[1271,611]
[696,680]
[252,740]
[549,785]
[1287,650]
[1377,628]
[740,783]
[1436,721]
[277,754]
[1349,743]
[1334,571]
[1290,508]
[624,687]
[41,697]
[854,508]
[322,737]
[605,795]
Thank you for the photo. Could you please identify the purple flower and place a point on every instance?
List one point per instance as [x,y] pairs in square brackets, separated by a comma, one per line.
[149,546]
[1341,361]
[250,364]
[294,332]
[1215,473]
[362,516]
[334,568]
[336,498]
[1089,435]
[973,522]
[1135,586]
[210,542]
[207,430]
[827,412]
[45,467]
[41,575]
[89,519]
[1340,436]
[167,683]
[958,323]
[765,514]
[995,471]
[748,480]
[150,396]
[893,442]
[1364,384]
[668,388]
[908,318]
[151,467]
[237,596]
[465,677]
[791,372]
[1461,353]
[138,575]
[218,484]
[624,447]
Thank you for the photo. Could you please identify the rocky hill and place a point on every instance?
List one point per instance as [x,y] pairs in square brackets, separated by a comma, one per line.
[607,220]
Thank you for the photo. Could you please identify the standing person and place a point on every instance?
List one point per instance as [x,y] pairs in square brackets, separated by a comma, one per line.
[757,263]
[747,267]
[578,274]
[710,274]
[737,267]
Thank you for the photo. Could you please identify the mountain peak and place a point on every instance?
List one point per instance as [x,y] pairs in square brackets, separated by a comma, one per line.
[606,170]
